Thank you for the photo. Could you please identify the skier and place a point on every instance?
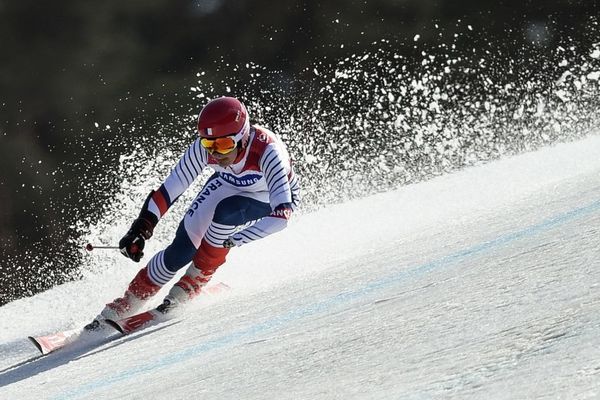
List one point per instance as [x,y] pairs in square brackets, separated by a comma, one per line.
[251,195]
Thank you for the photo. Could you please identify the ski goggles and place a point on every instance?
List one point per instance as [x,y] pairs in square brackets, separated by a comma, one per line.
[221,145]
[225,144]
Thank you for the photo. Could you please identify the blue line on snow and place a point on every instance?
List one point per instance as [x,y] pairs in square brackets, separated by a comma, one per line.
[315,308]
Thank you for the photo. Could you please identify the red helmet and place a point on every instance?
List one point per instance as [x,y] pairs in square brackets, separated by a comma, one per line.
[224,116]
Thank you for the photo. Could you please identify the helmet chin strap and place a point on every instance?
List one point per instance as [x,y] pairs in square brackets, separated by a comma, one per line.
[241,150]
[242,146]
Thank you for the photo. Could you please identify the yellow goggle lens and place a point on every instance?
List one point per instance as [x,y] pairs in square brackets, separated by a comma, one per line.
[222,145]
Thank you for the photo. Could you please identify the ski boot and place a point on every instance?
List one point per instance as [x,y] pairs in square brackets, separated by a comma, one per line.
[169,304]
[137,294]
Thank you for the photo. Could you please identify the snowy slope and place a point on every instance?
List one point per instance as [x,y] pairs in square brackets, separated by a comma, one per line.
[480,284]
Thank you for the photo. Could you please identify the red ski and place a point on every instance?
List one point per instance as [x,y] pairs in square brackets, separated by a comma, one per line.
[152,317]
[48,344]
[135,322]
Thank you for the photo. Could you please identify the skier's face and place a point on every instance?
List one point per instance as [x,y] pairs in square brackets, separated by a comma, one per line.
[225,160]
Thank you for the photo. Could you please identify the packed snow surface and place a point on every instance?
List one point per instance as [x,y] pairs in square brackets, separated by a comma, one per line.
[479,284]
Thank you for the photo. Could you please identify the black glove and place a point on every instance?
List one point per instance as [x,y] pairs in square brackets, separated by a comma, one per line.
[132,244]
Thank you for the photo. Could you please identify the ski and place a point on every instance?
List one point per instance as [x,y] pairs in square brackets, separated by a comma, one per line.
[155,316]
[47,344]
[56,341]
[136,322]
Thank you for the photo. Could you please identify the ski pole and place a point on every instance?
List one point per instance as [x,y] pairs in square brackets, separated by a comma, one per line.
[90,247]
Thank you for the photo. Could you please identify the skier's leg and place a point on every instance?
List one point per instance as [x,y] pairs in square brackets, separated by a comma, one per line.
[230,213]
[205,262]
[160,269]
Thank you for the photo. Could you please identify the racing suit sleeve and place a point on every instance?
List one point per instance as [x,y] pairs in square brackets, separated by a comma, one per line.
[283,196]
[191,164]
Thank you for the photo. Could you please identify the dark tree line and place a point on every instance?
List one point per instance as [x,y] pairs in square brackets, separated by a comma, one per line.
[68,65]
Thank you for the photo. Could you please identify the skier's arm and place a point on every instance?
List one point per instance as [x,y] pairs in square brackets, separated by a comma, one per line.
[159,201]
[181,177]
[283,196]
[264,227]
